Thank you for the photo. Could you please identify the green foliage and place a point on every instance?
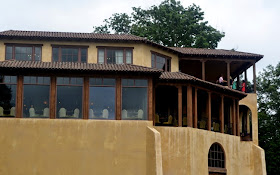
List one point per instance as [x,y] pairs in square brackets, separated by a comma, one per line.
[169,24]
[268,87]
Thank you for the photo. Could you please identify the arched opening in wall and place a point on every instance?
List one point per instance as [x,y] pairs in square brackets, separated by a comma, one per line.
[245,123]
[216,160]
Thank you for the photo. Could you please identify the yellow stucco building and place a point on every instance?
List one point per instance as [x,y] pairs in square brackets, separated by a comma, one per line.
[85,103]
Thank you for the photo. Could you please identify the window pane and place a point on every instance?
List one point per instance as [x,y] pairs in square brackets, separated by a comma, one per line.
[141,82]
[26,80]
[40,80]
[101,56]
[55,54]
[37,55]
[69,101]
[7,79]
[128,57]
[36,101]
[7,100]
[134,103]
[160,62]
[109,81]
[47,80]
[83,55]
[59,80]
[153,60]
[33,80]
[23,53]
[127,82]
[119,56]
[102,103]
[111,57]
[9,52]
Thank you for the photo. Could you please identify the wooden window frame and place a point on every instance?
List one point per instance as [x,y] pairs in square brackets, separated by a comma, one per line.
[222,167]
[70,47]
[13,45]
[124,49]
[79,85]
[40,84]
[115,86]
[167,58]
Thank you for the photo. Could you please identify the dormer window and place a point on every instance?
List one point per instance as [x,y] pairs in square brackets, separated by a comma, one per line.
[112,55]
[69,53]
[160,61]
[24,52]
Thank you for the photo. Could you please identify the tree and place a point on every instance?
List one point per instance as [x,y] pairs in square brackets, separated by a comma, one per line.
[169,24]
[268,87]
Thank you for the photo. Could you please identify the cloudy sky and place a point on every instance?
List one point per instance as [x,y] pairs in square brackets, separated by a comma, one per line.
[249,25]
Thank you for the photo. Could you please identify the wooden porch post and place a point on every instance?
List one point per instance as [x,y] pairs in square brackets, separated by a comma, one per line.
[237,83]
[222,118]
[245,74]
[189,106]
[19,97]
[180,117]
[203,69]
[195,108]
[254,78]
[86,98]
[150,101]
[154,103]
[234,117]
[53,98]
[208,108]
[118,99]
[237,119]
[228,73]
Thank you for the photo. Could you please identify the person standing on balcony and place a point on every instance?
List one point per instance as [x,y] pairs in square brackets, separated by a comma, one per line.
[243,86]
[221,80]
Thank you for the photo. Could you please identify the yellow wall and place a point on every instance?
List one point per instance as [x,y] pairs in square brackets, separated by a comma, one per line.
[141,52]
[78,147]
[251,102]
[185,151]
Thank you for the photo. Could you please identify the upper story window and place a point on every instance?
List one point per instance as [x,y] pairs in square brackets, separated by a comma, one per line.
[115,55]
[69,53]
[24,52]
[160,61]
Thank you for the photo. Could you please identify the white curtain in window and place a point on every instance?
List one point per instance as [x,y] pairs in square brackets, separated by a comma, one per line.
[119,56]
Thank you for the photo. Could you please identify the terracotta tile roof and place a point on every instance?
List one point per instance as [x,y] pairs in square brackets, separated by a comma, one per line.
[81,67]
[182,77]
[67,35]
[213,52]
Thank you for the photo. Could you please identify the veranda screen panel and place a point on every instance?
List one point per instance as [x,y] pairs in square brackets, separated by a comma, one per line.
[36,95]
[134,99]
[8,88]
[102,98]
[69,97]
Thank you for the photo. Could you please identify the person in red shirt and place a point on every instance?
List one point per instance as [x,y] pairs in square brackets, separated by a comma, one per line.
[243,86]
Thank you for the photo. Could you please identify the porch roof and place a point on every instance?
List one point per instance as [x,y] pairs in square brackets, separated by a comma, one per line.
[13,65]
[182,77]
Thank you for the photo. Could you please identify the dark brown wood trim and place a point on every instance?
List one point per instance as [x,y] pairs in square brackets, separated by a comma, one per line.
[228,73]
[150,99]
[189,106]
[234,117]
[53,98]
[114,47]
[180,106]
[208,111]
[23,44]
[154,104]
[237,119]
[217,59]
[254,78]
[245,76]
[19,97]
[203,69]
[222,118]
[237,83]
[118,99]
[217,170]
[195,109]
[70,46]
[86,98]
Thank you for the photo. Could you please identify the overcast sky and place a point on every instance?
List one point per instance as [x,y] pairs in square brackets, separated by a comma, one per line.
[249,25]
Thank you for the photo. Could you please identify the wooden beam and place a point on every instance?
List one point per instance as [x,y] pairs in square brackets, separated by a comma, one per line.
[118,99]
[208,108]
[234,117]
[222,117]
[237,119]
[150,99]
[86,98]
[180,116]
[53,98]
[245,73]
[19,97]
[203,69]
[216,59]
[154,104]
[228,73]
[195,108]
[254,78]
[189,106]
[237,83]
